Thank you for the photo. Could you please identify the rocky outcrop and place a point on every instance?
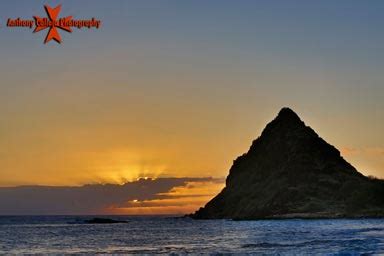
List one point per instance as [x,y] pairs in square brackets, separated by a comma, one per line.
[103,221]
[289,171]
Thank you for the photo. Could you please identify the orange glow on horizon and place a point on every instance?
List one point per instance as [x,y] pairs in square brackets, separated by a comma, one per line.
[180,200]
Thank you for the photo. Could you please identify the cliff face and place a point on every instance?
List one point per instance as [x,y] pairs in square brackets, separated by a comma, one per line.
[289,171]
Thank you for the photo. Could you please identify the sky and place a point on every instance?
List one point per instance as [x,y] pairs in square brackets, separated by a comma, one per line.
[181,88]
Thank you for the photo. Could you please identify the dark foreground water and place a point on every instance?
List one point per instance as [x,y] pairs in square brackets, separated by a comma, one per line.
[53,235]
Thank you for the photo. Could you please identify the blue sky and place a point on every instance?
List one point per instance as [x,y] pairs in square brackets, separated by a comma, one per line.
[163,84]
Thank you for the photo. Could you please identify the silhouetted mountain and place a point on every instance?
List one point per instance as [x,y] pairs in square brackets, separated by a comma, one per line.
[290,171]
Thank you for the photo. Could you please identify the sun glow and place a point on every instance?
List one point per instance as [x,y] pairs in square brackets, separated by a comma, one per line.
[179,200]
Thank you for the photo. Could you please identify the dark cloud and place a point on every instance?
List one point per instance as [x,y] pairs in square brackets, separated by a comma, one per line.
[87,199]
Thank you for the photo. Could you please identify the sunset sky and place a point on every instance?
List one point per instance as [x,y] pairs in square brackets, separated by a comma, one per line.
[181,88]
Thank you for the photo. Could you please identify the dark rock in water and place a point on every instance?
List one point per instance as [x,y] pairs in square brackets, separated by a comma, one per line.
[103,221]
[288,172]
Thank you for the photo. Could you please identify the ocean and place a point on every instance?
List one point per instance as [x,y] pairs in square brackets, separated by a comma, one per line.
[167,235]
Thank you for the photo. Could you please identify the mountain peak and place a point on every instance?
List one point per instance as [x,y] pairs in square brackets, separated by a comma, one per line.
[287,114]
[291,171]
[285,111]
[287,121]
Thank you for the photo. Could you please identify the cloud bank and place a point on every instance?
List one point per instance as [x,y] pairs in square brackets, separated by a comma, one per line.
[163,195]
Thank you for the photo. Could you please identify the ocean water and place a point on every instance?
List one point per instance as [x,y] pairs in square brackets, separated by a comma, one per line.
[145,235]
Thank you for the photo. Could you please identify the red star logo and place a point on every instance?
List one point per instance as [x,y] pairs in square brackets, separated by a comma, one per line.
[52,23]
